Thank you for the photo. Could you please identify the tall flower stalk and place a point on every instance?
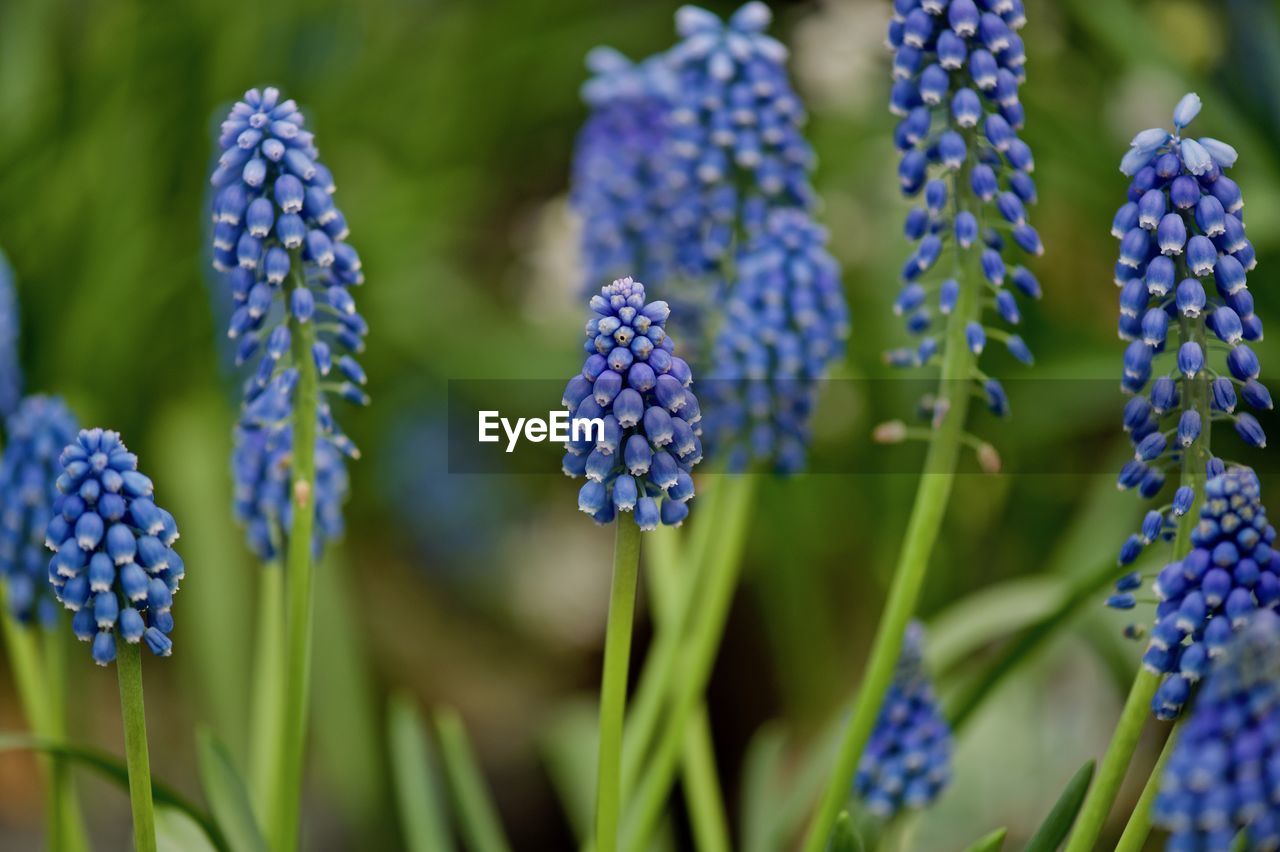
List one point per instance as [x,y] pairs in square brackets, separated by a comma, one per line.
[635,438]
[115,568]
[281,243]
[693,169]
[957,70]
[1188,366]
[37,431]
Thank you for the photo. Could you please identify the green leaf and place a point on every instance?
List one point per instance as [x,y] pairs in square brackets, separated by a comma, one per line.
[992,842]
[481,828]
[761,766]
[227,795]
[844,837]
[422,818]
[1083,590]
[568,746]
[113,769]
[978,619]
[176,831]
[1057,824]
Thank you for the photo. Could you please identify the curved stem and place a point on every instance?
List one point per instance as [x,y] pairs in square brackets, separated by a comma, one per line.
[298,583]
[129,671]
[930,506]
[698,657]
[1097,805]
[613,685]
[1139,826]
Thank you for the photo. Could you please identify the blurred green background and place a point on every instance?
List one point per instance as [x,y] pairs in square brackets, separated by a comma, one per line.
[449,126]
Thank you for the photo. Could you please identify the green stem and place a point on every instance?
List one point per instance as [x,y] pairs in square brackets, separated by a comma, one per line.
[703,795]
[298,584]
[39,678]
[268,694]
[667,649]
[129,670]
[613,685]
[1139,826]
[698,657]
[24,657]
[923,528]
[67,831]
[1097,805]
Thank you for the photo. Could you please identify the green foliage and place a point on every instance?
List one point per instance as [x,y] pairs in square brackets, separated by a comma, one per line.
[420,805]
[227,795]
[1057,824]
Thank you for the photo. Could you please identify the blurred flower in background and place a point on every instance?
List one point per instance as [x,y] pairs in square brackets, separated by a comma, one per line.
[37,433]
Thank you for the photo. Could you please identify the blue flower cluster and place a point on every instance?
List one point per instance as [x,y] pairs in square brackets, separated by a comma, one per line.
[281,243]
[907,762]
[114,565]
[736,138]
[784,322]
[29,470]
[261,466]
[1224,773]
[620,187]
[10,370]
[1229,574]
[957,67]
[1180,228]
[634,420]
[693,171]
[688,150]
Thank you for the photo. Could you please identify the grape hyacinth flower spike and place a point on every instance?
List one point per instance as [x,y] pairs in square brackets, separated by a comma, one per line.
[1186,310]
[907,763]
[634,424]
[261,470]
[1221,777]
[737,149]
[740,165]
[620,191]
[114,566]
[281,243]
[29,468]
[784,323]
[957,70]
[10,370]
[1229,573]
[1181,231]
[640,459]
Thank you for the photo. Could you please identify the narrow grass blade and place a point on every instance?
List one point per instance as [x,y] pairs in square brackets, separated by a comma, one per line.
[422,817]
[992,842]
[478,817]
[1057,824]
[227,795]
